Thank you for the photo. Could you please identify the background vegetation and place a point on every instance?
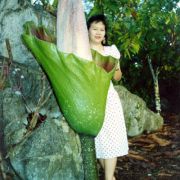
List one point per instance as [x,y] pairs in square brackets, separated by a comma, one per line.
[143,29]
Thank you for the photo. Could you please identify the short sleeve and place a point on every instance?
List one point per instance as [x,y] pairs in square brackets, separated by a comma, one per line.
[115,52]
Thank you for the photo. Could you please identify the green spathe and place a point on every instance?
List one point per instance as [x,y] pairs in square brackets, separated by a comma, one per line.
[80,86]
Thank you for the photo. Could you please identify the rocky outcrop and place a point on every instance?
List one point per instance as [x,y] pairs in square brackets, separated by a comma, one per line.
[137,115]
[13,16]
[52,150]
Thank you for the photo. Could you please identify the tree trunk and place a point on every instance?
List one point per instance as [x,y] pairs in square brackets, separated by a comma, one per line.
[156,86]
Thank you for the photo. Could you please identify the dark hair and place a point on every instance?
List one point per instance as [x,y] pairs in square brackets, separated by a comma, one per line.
[99,18]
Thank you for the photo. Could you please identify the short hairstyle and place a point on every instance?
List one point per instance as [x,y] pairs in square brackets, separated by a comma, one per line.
[99,18]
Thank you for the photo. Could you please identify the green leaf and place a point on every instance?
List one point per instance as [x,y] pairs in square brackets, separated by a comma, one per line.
[167,20]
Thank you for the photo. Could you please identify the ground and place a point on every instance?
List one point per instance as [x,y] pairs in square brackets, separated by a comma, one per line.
[154,156]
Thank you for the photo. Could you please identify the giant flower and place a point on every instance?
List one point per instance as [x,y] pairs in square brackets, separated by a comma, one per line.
[80,86]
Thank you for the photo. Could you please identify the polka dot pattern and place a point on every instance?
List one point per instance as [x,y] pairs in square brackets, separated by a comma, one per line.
[112,138]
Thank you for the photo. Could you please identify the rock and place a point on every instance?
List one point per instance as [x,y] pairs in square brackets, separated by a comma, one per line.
[137,116]
[12,18]
[52,150]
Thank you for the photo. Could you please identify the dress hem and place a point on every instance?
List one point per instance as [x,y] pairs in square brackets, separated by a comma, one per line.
[109,157]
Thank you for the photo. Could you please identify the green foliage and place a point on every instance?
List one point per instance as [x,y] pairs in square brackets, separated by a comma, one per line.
[141,29]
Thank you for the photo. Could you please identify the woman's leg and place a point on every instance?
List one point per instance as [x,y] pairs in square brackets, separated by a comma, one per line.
[102,162]
[109,168]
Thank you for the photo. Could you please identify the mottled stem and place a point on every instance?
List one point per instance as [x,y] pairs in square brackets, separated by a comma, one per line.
[89,157]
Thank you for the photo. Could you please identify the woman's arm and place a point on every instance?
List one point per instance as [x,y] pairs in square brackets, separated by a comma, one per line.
[115,53]
[117,75]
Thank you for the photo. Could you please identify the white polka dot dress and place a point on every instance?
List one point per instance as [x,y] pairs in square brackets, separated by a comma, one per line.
[112,139]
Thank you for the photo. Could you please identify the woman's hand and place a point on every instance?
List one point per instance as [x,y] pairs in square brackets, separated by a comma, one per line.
[117,75]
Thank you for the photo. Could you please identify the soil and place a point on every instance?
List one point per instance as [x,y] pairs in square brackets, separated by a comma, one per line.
[154,156]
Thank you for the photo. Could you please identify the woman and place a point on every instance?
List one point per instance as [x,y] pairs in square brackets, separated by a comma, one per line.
[111,141]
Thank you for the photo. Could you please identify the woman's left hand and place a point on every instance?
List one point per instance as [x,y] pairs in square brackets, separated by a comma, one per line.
[117,75]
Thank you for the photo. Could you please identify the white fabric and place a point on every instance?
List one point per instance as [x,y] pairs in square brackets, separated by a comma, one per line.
[112,138]
[112,51]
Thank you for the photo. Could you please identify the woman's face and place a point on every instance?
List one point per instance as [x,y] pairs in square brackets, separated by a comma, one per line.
[97,32]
